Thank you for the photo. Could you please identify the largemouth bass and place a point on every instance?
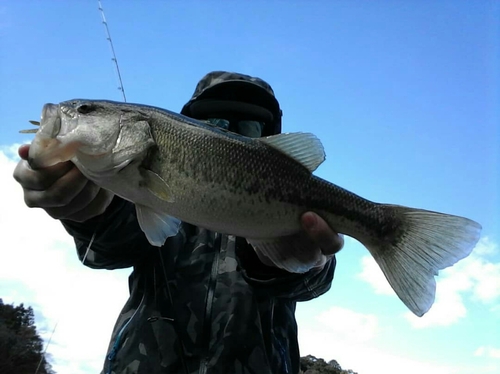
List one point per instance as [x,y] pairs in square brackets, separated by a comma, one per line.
[174,169]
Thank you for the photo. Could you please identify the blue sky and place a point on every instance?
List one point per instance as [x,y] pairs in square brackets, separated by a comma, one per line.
[404,96]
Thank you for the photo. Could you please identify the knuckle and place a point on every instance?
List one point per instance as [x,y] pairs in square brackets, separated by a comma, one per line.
[57,198]
[81,218]
[54,213]
[102,200]
[100,209]
[31,203]
[17,176]
[32,199]
[65,194]
[19,173]
[93,201]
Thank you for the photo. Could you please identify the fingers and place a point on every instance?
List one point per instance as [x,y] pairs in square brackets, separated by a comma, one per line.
[89,210]
[42,179]
[43,192]
[67,205]
[61,190]
[296,253]
[23,151]
[321,234]
[303,251]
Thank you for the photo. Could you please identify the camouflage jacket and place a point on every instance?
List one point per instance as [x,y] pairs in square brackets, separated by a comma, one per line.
[203,303]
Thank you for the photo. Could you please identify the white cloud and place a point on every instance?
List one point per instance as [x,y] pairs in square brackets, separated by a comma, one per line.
[474,279]
[349,325]
[448,309]
[486,351]
[486,274]
[372,274]
[39,267]
[354,340]
[351,338]
[362,357]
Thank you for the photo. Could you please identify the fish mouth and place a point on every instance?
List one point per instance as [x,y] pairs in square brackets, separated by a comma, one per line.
[46,152]
[46,149]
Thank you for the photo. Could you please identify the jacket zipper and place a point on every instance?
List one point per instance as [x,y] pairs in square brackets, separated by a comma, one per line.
[207,327]
[116,345]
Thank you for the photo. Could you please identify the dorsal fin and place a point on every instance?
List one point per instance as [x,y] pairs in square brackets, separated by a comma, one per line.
[306,148]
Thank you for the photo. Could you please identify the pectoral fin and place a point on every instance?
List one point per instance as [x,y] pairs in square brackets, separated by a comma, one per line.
[156,185]
[157,226]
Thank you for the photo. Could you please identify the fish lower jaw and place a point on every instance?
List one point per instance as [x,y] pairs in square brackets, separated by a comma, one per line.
[45,152]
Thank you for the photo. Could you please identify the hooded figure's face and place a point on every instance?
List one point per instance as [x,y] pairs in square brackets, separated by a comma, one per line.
[252,129]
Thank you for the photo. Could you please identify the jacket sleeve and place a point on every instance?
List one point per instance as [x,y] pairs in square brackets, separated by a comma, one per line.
[118,242]
[275,282]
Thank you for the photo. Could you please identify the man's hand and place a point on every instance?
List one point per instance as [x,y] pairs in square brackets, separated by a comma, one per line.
[309,249]
[319,239]
[61,190]
[318,231]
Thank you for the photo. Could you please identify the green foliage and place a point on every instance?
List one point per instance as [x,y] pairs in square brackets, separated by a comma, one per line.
[20,345]
[312,365]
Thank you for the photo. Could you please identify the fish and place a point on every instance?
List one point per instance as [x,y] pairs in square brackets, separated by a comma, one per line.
[177,169]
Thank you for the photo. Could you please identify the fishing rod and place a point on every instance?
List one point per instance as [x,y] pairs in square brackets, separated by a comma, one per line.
[168,295]
[115,61]
[113,54]
[167,291]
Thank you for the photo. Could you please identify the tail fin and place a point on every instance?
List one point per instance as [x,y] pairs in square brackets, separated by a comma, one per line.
[427,242]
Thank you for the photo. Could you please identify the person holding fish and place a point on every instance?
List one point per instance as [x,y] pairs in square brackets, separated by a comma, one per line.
[201,301]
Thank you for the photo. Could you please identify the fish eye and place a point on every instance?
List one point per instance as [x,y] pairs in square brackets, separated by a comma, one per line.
[85,109]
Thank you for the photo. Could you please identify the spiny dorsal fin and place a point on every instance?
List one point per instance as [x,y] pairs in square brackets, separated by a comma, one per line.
[304,147]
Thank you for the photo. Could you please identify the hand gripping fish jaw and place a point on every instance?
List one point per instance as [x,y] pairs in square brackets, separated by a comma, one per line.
[79,128]
[46,149]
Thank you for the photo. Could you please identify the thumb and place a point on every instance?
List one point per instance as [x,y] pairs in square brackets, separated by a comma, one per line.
[23,151]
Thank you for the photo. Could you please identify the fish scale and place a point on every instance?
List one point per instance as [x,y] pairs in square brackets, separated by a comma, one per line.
[224,172]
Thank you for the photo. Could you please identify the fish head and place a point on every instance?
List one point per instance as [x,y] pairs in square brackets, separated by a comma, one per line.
[97,135]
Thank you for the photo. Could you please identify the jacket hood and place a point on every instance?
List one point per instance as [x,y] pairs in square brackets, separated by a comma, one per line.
[235,96]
